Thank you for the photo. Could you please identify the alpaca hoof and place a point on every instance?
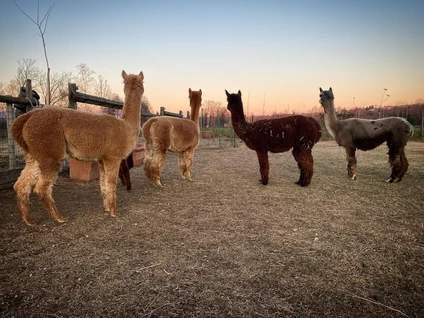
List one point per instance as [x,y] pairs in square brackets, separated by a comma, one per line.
[61,220]
[114,214]
[302,184]
[264,182]
[29,222]
[390,180]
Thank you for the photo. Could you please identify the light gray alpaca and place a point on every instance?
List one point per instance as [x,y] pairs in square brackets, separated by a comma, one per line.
[365,134]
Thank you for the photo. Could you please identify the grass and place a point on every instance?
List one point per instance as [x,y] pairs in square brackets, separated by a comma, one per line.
[224,245]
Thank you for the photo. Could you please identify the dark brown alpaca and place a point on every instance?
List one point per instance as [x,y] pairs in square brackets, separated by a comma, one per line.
[124,171]
[364,134]
[277,135]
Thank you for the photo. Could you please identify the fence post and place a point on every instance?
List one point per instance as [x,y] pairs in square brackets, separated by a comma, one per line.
[219,132]
[162,111]
[181,114]
[10,141]
[72,88]
[28,88]
[422,123]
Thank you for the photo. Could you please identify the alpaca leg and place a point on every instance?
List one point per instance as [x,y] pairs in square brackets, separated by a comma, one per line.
[124,174]
[156,167]
[351,162]
[305,163]
[395,160]
[43,189]
[189,155]
[122,167]
[405,165]
[103,185]
[23,187]
[111,169]
[182,165]
[147,162]
[263,166]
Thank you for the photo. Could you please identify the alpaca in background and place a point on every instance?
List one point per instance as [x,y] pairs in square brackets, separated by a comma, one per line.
[277,135]
[48,134]
[124,171]
[162,134]
[364,134]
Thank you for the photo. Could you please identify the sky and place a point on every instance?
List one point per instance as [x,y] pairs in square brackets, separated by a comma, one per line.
[277,53]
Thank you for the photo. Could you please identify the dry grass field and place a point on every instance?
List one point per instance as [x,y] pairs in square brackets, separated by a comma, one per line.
[225,245]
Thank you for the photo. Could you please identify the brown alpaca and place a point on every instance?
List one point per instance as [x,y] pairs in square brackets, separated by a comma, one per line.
[277,135]
[367,134]
[162,134]
[124,171]
[48,134]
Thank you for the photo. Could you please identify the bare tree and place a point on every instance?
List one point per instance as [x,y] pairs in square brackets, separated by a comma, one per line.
[210,109]
[103,89]
[42,25]
[85,79]
[86,83]
[58,87]
[27,70]
[146,107]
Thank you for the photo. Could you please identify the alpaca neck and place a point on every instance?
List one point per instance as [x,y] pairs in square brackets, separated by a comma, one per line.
[131,112]
[330,118]
[239,124]
[194,114]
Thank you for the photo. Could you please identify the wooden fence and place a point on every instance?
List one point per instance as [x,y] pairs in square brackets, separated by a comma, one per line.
[8,178]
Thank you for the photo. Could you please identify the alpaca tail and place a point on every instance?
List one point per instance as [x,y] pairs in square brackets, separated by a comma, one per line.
[319,129]
[17,130]
[145,130]
[411,129]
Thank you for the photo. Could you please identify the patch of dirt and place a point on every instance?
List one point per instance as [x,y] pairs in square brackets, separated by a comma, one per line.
[225,245]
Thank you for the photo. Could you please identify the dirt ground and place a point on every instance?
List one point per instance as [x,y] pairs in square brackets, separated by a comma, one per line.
[225,245]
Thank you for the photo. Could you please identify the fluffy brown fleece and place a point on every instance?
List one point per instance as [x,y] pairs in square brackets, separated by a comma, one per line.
[162,134]
[49,134]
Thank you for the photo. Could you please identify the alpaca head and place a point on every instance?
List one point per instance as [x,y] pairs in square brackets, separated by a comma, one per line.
[132,81]
[325,97]
[234,102]
[195,96]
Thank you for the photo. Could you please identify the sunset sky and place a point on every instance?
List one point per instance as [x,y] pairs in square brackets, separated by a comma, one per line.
[278,53]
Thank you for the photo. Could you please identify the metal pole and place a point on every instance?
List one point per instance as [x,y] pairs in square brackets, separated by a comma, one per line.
[10,141]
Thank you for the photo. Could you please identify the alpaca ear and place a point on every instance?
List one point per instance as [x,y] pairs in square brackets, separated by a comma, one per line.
[239,93]
[189,91]
[200,91]
[124,74]
[331,90]
[226,93]
[320,89]
[142,75]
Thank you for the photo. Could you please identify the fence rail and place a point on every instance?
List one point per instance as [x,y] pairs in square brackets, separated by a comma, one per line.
[11,153]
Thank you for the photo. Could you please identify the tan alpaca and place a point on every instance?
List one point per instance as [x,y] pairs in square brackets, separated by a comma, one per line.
[162,134]
[48,134]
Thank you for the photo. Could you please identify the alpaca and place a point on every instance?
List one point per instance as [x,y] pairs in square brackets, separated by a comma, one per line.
[48,134]
[162,134]
[277,135]
[124,171]
[364,134]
